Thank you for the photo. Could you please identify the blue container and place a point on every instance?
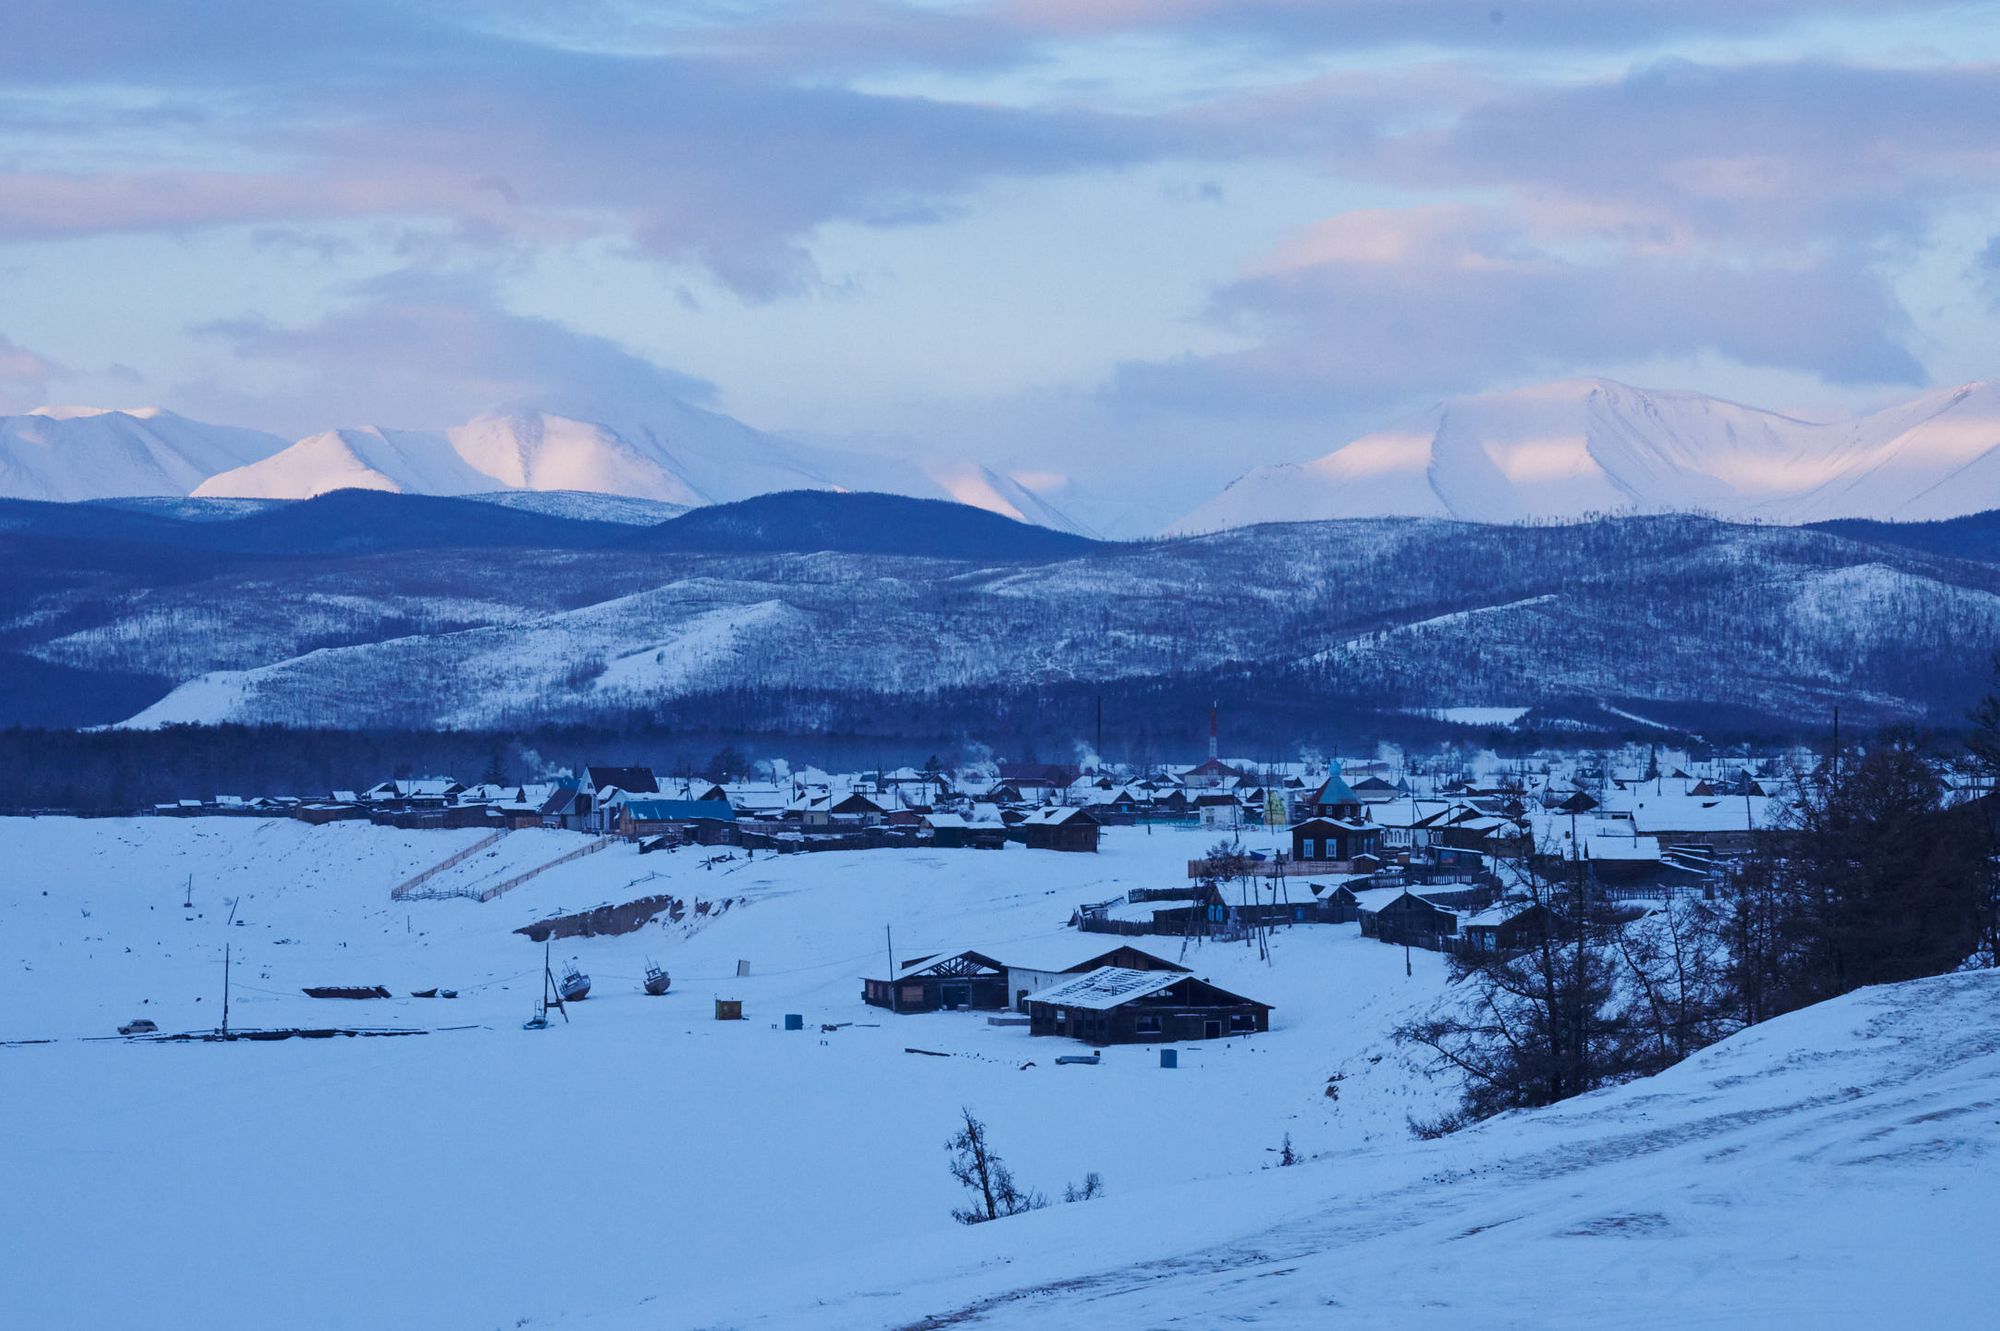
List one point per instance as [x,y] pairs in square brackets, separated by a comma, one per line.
[794,1021]
[1170,1058]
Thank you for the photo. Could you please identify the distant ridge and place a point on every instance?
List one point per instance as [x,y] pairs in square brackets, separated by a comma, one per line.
[808,521]
[1975,536]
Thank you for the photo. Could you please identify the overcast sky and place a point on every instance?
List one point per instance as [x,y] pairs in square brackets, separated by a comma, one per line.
[1127,243]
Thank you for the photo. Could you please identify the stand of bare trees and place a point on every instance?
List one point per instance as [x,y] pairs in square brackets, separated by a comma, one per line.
[1540,1024]
[1876,876]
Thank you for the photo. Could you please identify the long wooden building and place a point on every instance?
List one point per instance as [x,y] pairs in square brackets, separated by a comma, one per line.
[1113,1005]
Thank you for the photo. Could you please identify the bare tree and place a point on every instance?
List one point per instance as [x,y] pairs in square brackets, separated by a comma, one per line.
[1540,1024]
[1092,1186]
[983,1174]
[1676,967]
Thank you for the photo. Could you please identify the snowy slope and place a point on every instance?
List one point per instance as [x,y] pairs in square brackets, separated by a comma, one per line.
[75,453]
[1591,446]
[1935,457]
[1828,1169]
[365,458]
[645,1166]
[998,492]
[484,1176]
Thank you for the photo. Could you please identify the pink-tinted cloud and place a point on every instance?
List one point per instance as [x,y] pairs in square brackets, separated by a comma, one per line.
[24,375]
[1381,306]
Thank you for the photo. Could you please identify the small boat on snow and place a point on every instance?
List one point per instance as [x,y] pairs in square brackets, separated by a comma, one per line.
[656,979]
[346,991]
[575,986]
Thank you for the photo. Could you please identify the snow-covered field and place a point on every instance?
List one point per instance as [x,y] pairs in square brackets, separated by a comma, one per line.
[648,1167]
[641,1160]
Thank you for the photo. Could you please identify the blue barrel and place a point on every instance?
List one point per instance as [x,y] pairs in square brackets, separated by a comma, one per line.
[1170,1058]
[794,1021]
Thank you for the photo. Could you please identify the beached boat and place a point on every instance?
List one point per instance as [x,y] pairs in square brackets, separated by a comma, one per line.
[656,979]
[575,986]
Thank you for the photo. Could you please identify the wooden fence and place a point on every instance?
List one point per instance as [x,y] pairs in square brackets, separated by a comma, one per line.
[402,890]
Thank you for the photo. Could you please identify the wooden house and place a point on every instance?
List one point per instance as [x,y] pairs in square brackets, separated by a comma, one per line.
[1337,904]
[954,831]
[1026,976]
[1408,918]
[1033,780]
[1330,839]
[960,980]
[1060,829]
[1113,1005]
[858,810]
[1505,926]
[567,808]
[1219,810]
[705,822]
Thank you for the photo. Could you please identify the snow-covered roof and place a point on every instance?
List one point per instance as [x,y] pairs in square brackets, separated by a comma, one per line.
[1054,817]
[1498,913]
[1372,899]
[1106,987]
[1702,813]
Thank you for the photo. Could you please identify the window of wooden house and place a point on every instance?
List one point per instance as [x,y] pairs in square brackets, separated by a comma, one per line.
[1146,1025]
[913,993]
[1242,1021]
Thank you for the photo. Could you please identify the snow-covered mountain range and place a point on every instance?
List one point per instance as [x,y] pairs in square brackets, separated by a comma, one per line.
[1579,447]
[73,453]
[1557,451]
[679,455]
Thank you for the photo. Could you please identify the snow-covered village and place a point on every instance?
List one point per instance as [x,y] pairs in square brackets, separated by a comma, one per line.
[923,665]
[618,1048]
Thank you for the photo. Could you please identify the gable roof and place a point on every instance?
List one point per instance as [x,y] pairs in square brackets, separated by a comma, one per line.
[1085,952]
[632,780]
[1056,817]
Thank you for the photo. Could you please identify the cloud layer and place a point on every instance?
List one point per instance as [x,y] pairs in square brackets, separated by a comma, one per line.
[1396,198]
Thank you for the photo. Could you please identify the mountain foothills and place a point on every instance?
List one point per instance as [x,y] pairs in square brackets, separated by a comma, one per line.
[806,610]
[1555,452]
[1584,447]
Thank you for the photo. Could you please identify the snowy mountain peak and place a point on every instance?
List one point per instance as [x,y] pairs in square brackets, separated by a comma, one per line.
[1577,447]
[75,453]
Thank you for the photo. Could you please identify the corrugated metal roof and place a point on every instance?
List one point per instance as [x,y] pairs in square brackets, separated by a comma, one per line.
[1107,987]
[677,811]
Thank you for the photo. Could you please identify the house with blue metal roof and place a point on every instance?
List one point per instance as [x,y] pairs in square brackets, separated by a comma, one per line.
[710,822]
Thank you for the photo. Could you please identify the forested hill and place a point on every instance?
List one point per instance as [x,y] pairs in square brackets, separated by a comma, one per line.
[823,612]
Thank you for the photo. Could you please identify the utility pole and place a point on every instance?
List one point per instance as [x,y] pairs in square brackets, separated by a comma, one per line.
[895,990]
[225,989]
